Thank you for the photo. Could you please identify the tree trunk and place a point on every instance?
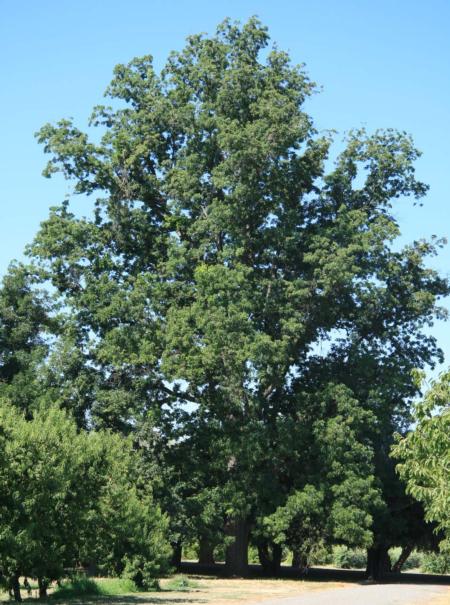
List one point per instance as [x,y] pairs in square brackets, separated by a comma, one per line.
[42,588]
[138,579]
[175,561]
[16,588]
[27,586]
[270,558]
[378,562]
[205,552]
[299,561]
[92,569]
[236,557]
[406,551]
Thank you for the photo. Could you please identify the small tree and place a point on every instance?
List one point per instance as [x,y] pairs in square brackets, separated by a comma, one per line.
[424,455]
[66,497]
[299,524]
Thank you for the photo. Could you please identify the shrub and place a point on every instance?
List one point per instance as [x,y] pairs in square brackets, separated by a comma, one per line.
[320,555]
[437,563]
[349,558]
[77,586]
[190,551]
[116,586]
[220,552]
[414,561]
[253,557]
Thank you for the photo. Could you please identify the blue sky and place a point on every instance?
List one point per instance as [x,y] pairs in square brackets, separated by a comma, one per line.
[381,64]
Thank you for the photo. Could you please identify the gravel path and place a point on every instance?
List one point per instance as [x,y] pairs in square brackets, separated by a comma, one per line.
[371,594]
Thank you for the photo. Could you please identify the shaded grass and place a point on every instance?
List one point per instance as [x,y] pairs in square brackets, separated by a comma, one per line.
[105,587]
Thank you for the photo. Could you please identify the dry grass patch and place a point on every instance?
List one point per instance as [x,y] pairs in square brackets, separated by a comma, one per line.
[231,591]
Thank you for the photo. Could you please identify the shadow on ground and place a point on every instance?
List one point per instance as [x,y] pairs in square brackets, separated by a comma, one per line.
[319,574]
[138,599]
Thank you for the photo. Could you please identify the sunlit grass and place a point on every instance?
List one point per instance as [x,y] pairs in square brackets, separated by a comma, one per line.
[180,583]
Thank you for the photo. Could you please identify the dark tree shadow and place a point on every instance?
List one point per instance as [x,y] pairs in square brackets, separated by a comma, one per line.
[319,574]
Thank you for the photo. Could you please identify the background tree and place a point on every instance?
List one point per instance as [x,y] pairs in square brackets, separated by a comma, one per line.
[185,480]
[375,359]
[26,323]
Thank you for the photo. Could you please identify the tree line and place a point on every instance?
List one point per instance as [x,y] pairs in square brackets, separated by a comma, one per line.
[224,349]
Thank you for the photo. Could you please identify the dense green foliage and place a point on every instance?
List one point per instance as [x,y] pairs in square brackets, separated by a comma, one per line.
[436,563]
[235,302]
[25,322]
[67,498]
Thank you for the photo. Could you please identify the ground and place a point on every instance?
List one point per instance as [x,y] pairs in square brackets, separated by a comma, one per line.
[373,594]
[206,590]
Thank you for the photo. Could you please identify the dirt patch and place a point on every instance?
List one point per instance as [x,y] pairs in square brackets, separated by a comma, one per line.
[442,600]
[372,594]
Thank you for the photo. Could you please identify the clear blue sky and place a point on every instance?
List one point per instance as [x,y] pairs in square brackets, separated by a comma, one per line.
[381,64]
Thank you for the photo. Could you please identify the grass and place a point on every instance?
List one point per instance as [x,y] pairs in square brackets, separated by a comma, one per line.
[180,583]
[116,586]
[82,586]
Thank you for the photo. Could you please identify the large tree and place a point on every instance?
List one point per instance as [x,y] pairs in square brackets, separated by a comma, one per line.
[229,289]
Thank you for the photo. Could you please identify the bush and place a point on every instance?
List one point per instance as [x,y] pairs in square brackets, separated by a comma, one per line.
[414,561]
[190,551]
[78,586]
[349,558]
[219,552]
[437,563]
[253,557]
[320,555]
[116,586]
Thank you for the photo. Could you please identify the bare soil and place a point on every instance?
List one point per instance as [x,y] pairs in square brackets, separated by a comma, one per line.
[373,594]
